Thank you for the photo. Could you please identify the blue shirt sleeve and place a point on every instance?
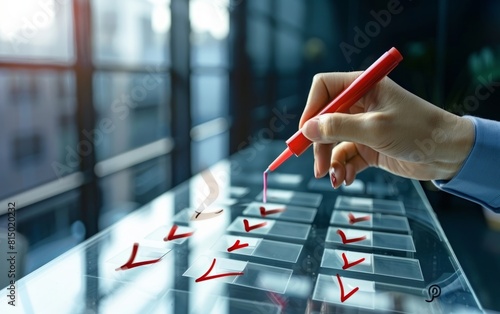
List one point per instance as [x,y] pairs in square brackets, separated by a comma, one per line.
[479,178]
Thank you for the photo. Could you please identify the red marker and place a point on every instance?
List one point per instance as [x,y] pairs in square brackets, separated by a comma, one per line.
[298,143]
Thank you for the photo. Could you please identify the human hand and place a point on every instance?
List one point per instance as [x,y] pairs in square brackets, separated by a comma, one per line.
[389,128]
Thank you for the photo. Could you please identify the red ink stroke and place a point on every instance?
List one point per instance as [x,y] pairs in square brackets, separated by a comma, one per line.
[353,220]
[206,277]
[264,212]
[347,241]
[203,216]
[249,228]
[237,246]
[213,191]
[264,190]
[173,236]
[349,265]
[130,263]
[344,297]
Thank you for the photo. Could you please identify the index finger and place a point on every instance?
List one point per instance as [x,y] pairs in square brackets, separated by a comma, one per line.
[325,87]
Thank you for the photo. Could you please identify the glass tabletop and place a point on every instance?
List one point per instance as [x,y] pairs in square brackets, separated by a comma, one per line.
[211,245]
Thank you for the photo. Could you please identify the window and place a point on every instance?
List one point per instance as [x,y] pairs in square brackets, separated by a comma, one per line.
[37,31]
[88,110]
[209,82]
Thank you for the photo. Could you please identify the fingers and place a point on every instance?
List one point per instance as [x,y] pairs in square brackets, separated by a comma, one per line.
[325,87]
[325,131]
[322,154]
[346,162]
[364,128]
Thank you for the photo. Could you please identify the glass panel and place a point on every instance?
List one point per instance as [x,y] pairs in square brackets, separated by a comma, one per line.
[211,261]
[38,142]
[131,32]
[36,30]
[132,111]
[209,30]
[209,96]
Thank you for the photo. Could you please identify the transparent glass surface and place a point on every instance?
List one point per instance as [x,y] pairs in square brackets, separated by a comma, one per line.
[281,212]
[37,31]
[131,32]
[401,267]
[38,142]
[204,273]
[370,221]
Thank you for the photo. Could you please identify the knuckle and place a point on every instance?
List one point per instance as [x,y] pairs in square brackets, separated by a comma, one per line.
[318,77]
[330,126]
[377,125]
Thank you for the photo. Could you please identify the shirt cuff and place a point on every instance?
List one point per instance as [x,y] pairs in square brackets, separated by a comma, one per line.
[479,178]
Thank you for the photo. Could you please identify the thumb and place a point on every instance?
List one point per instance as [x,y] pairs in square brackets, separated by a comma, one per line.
[341,127]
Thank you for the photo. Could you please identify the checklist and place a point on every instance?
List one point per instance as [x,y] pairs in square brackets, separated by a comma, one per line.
[270,227]
[252,275]
[369,239]
[378,221]
[281,212]
[370,205]
[391,266]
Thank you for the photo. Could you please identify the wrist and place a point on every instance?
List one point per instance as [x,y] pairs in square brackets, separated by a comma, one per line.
[458,147]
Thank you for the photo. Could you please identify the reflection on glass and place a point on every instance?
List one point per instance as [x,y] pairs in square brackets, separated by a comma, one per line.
[132,111]
[32,29]
[38,138]
[131,32]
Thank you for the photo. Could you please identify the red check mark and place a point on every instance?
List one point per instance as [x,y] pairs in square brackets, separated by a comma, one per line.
[344,297]
[130,263]
[249,228]
[353,220]
[264,212]
[349,265]
[236,246]
[173,236]
[345,240]
[205,276]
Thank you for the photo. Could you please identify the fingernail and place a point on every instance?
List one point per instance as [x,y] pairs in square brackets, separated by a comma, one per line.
[333,179]
[311,129]
[316,172]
